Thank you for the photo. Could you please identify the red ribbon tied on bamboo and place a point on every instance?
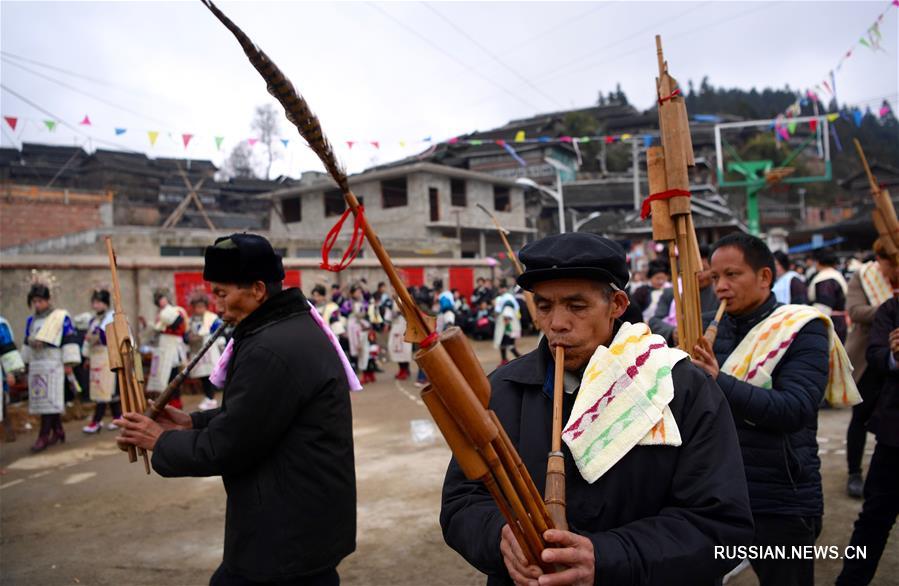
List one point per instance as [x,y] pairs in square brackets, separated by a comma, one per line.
[668,194]
[352,250]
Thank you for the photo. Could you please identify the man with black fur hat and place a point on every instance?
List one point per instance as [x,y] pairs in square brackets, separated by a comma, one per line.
[655,482]
[282,439]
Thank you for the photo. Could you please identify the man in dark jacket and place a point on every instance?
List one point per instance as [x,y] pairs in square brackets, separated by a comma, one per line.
[659,513]
[881,506]
[776,424]
[282,439]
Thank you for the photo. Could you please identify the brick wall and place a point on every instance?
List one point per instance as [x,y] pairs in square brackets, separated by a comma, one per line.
[23,220]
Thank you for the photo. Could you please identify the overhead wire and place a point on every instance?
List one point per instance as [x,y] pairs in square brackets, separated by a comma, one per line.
[492,55]
[80,91]
[452,57]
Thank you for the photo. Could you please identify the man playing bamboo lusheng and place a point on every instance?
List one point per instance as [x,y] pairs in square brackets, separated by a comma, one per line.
[654,477]
[774,371]
[282,439]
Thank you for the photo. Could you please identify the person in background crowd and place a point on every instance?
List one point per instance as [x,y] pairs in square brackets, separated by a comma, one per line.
[203,324]
[400,351]
[11,364]
[881,506]
[358,328]
[827,291]
[170,352]
[664,322]
[484,322]
[868,289]
[481,292]
[508,324]
[103,387]
[446,307]
[647,297]
[789,286]
[51,350]
[330,313]
[772,362]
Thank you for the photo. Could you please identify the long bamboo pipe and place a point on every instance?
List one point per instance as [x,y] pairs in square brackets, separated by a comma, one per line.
[555,466]
[158,406]
[712,331]
[528,296]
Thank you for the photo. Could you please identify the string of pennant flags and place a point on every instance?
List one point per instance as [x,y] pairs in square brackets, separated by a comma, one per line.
[782,125]
[871,39]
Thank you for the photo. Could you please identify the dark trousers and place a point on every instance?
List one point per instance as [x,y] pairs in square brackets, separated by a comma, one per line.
[100,410]
[856,434]
[878,514]
[788,531]
[223,577]
[208,387]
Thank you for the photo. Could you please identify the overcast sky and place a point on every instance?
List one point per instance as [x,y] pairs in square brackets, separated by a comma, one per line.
[392,72]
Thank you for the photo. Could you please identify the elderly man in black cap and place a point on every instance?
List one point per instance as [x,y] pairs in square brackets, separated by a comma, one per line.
[282,439]
[656,492]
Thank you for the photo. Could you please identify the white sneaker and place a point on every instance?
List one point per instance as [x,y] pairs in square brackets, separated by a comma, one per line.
[207,404]
[111,426]
[92,427]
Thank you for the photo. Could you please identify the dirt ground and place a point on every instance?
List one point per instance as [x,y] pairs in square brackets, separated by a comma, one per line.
[80,514]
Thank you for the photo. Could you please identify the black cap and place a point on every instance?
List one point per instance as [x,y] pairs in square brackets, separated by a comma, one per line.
[242,258]
[573,256]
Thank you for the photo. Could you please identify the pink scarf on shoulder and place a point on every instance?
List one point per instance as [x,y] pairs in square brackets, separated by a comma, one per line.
[220,372]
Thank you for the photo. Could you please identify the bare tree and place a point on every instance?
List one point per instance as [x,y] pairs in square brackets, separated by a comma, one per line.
[265,122]
[240,163]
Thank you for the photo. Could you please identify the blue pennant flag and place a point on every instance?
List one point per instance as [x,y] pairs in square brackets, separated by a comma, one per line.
[647,141]
[284,141]
[514,154]
[120,131]
[857,116]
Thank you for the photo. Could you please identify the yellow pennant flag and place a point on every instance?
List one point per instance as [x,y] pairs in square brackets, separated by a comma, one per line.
[519,136]
[152,135]
[402,144]
[625,136]
[832,117]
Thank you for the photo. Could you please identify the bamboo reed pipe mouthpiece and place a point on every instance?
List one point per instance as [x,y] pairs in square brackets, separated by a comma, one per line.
[555,466]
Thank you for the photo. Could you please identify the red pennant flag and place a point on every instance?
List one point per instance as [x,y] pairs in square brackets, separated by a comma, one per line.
[610,139]
[453,140]
[565,139]
[376,144]
[350,143]
[813,124]
[86,121]
[252,141]
[186,139]
[501,142]
[12,121]
[501,255]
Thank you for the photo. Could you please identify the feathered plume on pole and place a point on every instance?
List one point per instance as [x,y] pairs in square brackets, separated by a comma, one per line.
[459,393]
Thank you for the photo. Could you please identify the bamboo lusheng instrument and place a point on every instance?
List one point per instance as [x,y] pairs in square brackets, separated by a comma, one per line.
[528,296]
[555,466]
[712,331]
[672,221]
[122,357]
[459,392]
[883,214]
[154,410]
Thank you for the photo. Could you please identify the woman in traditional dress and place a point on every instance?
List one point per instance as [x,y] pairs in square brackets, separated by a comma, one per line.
[400,350]
[358,328]
[204,323]
[50,350]
[170,352]
[103,388]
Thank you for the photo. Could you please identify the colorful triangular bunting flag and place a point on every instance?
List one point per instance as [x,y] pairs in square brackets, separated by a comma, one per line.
[152,135]
[86,121]
[12,121]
